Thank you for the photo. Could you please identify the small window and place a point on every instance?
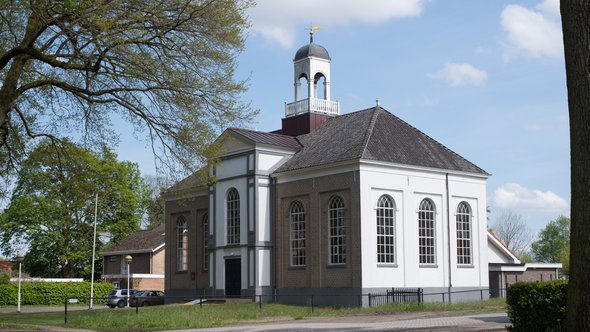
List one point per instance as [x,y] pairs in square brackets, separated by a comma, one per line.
[337,231]
[426,235]
[112,259]
[463,218]
[297,234]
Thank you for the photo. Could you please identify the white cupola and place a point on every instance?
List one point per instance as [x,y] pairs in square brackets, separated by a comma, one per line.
[312,66]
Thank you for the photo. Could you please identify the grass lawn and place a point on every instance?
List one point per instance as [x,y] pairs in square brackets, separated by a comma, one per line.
[194,316]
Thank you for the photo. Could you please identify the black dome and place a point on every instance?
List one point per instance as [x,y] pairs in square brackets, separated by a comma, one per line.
[312,49]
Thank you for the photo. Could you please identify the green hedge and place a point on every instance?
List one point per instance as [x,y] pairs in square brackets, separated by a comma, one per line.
[47,293]
[537,306]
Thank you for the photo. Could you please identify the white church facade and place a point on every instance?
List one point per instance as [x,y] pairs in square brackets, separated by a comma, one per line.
[329,204]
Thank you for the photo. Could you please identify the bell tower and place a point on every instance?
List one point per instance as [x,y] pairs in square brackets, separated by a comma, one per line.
[312,66]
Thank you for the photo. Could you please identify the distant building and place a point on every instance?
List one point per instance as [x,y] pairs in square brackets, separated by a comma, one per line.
[6,266]
[329,204]
[147,267]
[505,268]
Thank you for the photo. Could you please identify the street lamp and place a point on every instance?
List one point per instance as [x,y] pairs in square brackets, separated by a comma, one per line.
[19,258]
[128,260]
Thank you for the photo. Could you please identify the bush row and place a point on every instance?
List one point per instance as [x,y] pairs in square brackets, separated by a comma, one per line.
[537,306]
[48,293]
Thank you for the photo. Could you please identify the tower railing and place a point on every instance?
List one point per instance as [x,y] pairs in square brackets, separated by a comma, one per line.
[312,105]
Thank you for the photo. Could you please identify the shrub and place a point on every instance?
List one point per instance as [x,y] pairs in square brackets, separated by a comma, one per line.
[537,306]
[4,279]
[48,293]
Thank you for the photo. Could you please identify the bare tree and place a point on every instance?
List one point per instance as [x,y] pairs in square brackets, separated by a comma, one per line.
[513,231]
[575,18]
[166,67]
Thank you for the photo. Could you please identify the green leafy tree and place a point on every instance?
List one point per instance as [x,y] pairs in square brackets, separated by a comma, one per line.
[575,18]
[553,240]
[167,68]
[53,203]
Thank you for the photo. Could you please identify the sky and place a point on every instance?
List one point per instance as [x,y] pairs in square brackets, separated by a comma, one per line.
[484,78]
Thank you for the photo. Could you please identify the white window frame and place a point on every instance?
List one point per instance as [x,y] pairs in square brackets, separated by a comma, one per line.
[463,225]
[386,232]
[337,231]
[181,244]
[205,228]
[297,234]
[233,216]
[427,232]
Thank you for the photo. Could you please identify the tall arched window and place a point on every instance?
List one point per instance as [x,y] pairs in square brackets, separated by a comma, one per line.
[337,231]
[205,224]
[297,233]
[181,244]
[426,236]
[463,234]
[233,217]
[385,230]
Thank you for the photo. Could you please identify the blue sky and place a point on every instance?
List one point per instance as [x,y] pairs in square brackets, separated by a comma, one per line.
[484,78]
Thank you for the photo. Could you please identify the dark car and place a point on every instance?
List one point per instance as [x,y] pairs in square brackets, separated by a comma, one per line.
[118,297]
[147,297]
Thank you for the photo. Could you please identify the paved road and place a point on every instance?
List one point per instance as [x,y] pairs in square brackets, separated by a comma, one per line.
[481,322]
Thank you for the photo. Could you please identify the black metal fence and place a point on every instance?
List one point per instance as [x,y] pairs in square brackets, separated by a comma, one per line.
[396,295]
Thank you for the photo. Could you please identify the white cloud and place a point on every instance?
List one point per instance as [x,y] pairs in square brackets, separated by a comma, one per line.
[515,196]
[461,74]
[279,21]
[533,32]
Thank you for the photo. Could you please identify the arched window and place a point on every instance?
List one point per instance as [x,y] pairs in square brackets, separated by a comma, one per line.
[297,233]
[337,231]
[233,217]
[205,224]
[385,230]
[426,237]
[181,244]
[463,234]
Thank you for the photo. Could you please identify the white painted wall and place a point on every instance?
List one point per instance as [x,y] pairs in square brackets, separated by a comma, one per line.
[264,264]
[263,221]
[408,187]
[232,167]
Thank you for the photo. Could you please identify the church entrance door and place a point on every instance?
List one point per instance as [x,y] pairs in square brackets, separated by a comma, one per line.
[233,277]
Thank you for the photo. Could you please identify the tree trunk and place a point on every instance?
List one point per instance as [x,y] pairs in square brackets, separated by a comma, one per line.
[576,38]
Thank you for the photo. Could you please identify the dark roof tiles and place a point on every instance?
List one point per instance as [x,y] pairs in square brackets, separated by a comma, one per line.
[268,138]
[139,241]
[374,134]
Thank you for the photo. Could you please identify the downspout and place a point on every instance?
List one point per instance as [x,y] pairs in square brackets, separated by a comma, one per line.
[449,233]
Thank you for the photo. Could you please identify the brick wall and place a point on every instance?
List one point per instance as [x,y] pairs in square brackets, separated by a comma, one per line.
[315,194]
[193,210]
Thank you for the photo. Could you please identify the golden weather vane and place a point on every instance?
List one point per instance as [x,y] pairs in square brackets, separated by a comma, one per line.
[311,29]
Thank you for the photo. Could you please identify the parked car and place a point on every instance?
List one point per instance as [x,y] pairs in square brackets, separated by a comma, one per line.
[147,297]
[118,297]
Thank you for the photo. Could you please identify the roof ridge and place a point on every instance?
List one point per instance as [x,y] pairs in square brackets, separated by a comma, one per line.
[260,132]
[369,132]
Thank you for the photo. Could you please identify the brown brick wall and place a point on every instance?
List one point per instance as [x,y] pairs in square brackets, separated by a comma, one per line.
[140,263]
[530,275]
[158,262]
[315,194]
[113,267]
[193,209]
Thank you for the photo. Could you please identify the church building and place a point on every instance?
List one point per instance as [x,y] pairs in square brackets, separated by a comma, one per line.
[333,204]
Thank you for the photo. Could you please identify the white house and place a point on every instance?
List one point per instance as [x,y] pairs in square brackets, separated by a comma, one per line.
[328,204]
